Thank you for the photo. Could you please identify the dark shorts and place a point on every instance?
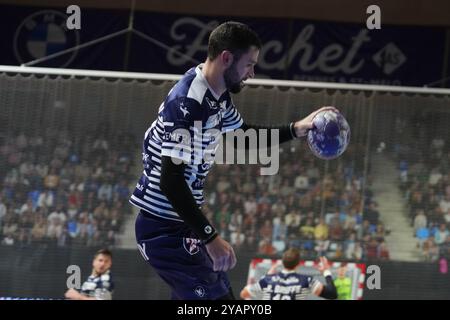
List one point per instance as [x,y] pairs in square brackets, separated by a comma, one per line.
[179,258]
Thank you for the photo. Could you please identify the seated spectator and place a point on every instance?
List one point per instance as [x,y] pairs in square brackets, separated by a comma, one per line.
[307,230]
[237,238]
[371,214]
[321,230]
[336,232]
[383,251]
[292,221]
[422,235]
[372,249]
[51,181]
[322,246]
[440,236]
[265,247]
[266,230]
[420,220]
[430,250]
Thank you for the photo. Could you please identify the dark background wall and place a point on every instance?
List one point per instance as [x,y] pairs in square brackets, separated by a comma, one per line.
[40,272]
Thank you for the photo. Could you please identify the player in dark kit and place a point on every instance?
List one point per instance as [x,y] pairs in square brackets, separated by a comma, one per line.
[290,285]
[172,233]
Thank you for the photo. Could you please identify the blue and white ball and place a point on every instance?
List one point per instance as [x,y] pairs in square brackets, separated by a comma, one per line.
[330,135]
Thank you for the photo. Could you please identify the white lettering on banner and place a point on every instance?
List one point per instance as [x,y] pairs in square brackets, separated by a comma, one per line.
[199,44]
[330,59]
[389,58]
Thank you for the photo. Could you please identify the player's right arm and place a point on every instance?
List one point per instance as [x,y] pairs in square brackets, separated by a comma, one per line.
[253,291]
[73,294]
[328,290]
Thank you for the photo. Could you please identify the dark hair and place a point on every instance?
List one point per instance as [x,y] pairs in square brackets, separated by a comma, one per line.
[233,36]
[105,252]
[291,258]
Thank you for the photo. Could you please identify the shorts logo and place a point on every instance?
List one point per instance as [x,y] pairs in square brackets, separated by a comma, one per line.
[200,291]
[191,245]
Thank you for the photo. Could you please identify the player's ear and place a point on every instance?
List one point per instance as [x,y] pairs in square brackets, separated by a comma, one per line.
[227,58]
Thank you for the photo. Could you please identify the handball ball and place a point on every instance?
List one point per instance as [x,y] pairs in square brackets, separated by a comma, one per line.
[329,136]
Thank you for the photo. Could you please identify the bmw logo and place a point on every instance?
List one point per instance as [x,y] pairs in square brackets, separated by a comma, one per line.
[44,33]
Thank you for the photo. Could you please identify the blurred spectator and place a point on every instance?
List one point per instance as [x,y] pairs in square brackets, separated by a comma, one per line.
[321,230]
[430,250]
[440,236]
[372,249]
[82,186]
[292,222]
[371,214]
[265,247]
[62,175]
[383,251]
[420,221]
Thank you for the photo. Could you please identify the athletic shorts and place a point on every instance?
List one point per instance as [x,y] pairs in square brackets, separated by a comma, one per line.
[179,258]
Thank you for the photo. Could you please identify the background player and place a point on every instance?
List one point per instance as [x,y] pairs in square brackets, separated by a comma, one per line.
[99,285]
[290,285]
[173,234]
[343,284]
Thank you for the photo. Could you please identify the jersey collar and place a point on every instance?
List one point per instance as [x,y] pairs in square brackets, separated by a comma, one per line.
[199,72]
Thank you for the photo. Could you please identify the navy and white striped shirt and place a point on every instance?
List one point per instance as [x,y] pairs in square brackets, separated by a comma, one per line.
[190,123]
[284,285]
[100,287]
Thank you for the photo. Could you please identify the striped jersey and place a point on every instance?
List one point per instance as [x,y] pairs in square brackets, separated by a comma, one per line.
[190,123]
[284,285]
[101,287]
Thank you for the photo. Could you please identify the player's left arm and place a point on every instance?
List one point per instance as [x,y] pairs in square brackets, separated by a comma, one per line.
[73,294]
[286,132]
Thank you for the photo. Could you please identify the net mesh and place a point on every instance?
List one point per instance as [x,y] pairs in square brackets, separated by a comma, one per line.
[70,156]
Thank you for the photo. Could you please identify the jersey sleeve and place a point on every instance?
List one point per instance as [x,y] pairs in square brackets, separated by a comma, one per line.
[178,120]
[256,290]
[105,290]
[232,119]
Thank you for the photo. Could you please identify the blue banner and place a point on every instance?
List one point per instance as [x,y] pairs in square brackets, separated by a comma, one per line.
[166,43]
[30,33]
[352,53]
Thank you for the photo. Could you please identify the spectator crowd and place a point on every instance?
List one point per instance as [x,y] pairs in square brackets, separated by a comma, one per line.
[425,183]
[318,209]
[60,190]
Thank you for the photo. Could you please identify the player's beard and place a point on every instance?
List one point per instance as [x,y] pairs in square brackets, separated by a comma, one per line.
[232,81]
